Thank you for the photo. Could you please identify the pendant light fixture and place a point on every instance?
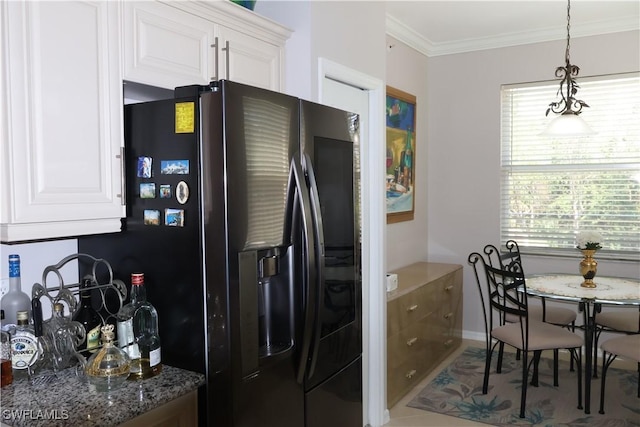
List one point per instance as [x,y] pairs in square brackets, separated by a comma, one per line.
[568,122]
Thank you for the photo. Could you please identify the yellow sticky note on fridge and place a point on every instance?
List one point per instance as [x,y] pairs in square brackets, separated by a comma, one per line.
[185,117]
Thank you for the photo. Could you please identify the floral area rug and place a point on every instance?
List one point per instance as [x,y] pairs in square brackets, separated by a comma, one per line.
[457,391]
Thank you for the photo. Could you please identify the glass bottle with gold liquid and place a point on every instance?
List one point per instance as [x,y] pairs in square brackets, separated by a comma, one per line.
[138,332]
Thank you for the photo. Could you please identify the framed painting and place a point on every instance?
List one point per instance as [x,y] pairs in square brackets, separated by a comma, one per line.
[401,154]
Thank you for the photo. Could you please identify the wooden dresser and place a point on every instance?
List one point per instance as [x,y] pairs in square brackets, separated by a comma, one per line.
[424,323]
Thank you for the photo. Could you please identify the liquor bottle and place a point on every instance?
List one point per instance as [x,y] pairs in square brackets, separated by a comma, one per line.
[5,356]
[27,356]
[15,300]
[90,320]
[138,332]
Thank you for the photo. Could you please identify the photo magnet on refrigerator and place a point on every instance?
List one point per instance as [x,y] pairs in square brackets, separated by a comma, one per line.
[174,217]
[144,167]
[165,191]
[174,167]
[151,217]
[182,192]
[148,190]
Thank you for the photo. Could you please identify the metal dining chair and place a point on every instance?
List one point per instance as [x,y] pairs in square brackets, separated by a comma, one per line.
[503,292]
[560,316]
[628,347]
[556,315]
[626,321]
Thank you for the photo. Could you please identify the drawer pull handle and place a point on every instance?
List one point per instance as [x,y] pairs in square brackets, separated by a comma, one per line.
[412,308]
[448,288]
[412,341]
[447,343]
[410,374]
[448,315]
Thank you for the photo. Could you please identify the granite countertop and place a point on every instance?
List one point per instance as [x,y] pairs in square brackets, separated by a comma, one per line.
[69,400]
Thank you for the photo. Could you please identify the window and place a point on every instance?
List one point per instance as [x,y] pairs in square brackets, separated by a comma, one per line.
[552,188]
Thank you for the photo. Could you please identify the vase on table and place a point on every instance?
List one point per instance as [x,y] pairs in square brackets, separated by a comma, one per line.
[588,268]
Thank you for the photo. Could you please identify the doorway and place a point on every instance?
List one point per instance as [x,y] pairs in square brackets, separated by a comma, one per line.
[350,90]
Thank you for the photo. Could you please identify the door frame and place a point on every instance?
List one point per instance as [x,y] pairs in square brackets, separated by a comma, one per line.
[374,306]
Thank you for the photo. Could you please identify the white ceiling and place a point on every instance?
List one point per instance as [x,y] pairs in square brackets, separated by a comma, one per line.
[444,27]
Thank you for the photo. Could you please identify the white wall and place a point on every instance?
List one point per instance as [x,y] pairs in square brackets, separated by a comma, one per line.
[463,133]
[297,16]
[407,70]
[349,33]
[34,258]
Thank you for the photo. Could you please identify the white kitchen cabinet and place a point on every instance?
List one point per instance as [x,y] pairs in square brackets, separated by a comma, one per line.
[61,119]
[180,43]
[250,61]
[165,46]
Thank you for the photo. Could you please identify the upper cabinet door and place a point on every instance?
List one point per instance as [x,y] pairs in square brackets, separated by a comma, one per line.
[61,119]
[193,42]
[165,46]
[248,60]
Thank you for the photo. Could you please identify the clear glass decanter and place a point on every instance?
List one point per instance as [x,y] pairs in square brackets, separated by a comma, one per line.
[109,367]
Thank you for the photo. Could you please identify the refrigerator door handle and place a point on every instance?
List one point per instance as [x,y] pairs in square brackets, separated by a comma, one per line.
[309,280]
[318,265]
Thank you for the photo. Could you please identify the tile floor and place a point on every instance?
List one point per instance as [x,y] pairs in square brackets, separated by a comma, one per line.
[403,416]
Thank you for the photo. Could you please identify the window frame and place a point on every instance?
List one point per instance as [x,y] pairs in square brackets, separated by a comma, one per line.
[534,118]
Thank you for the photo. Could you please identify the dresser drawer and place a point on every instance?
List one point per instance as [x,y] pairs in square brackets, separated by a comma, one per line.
[442,347]
[402,379]
[409,309]
[448,291]
[411,343]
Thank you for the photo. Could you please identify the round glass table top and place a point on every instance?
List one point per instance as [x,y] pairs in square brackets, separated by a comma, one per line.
[614,290]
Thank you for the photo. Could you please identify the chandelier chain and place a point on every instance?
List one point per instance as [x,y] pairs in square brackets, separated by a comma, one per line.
[568,105]
[567,54]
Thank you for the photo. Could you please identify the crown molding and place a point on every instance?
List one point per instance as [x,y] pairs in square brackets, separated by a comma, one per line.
[411,38]
[408,36]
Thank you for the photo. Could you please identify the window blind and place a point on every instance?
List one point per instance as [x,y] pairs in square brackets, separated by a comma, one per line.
[553,188]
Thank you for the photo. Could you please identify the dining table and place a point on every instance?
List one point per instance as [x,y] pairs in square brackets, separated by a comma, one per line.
[609,291]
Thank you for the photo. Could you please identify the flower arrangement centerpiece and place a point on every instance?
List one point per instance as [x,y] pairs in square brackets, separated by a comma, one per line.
[588,242]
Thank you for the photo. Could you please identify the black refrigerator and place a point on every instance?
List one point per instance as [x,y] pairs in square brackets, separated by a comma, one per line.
[243,213]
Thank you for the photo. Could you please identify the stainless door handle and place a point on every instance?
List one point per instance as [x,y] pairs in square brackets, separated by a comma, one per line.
[123,178]
[215,58]
[225,49]
[299,189]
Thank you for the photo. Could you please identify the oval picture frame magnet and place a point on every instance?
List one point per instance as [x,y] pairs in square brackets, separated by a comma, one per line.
[182,192]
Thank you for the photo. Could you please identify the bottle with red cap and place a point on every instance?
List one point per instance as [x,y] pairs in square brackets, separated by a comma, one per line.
[138,335]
